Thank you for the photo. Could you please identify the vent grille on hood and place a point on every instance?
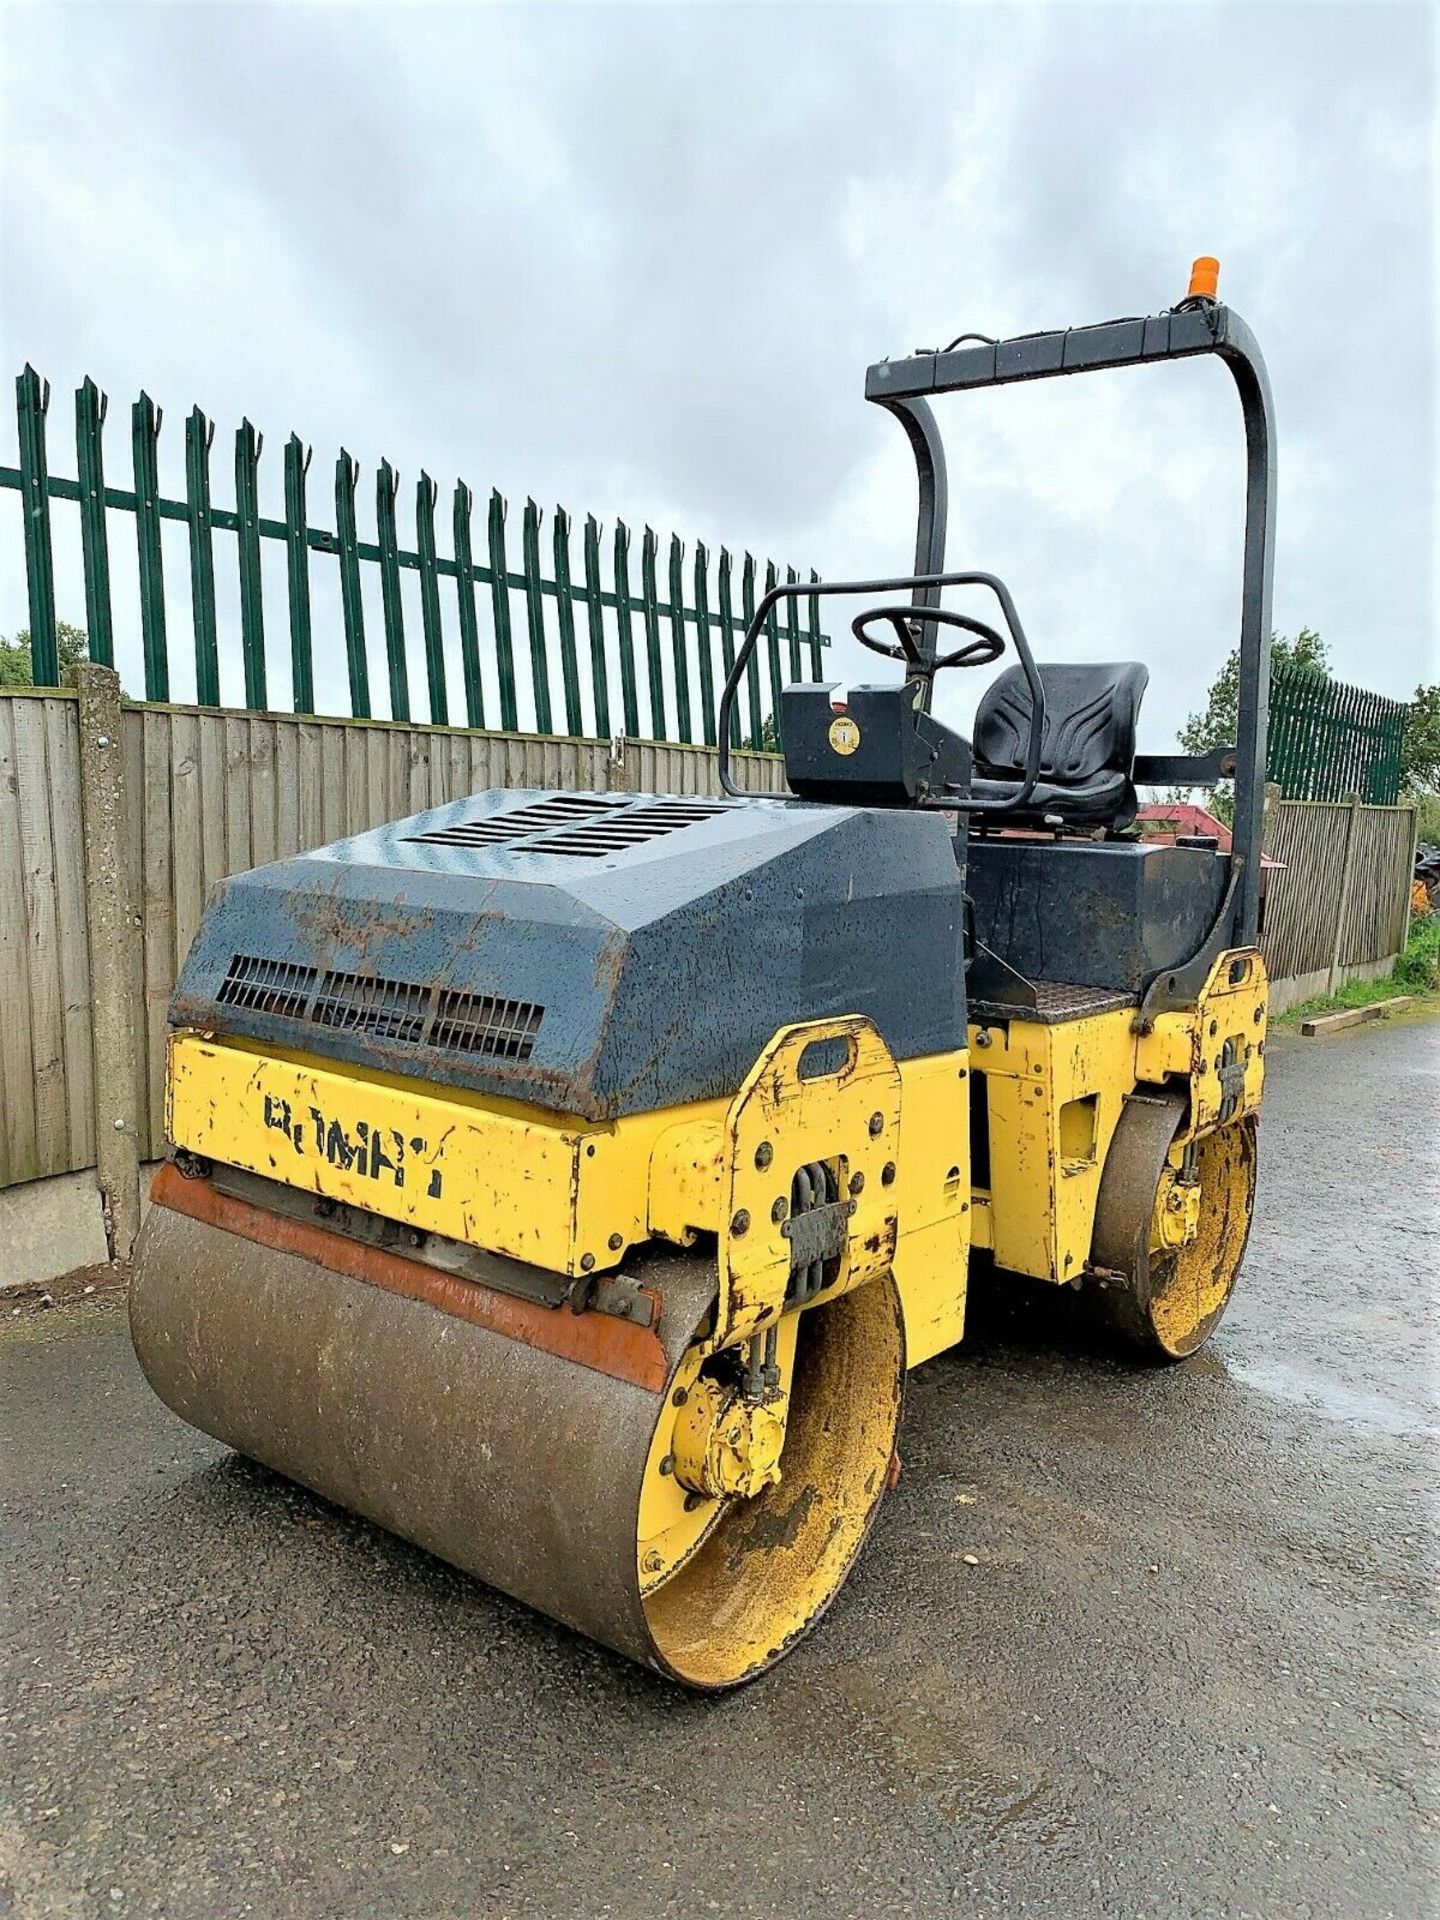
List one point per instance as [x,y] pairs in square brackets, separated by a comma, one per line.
[575,826]
[592,839]
[267,986]
[399,1012]
[385,1009]
[518,823]
[477,1023]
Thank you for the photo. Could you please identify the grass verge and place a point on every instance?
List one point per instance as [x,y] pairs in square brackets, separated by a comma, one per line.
[1416,972]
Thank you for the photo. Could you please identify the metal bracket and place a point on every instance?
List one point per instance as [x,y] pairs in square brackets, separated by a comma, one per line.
[1174,988]
[1231,1075]
[801,1104]
[611,1293]
[819,1233]
[1184,769]
[994,982]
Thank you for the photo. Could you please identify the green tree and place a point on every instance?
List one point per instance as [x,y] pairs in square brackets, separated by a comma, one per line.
[1420,753]
[1218,722]
[71,644]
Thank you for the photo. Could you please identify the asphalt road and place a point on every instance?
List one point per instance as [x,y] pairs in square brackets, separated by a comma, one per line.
[1192,1670]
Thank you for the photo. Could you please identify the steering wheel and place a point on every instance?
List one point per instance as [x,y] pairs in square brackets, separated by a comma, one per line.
[906,620]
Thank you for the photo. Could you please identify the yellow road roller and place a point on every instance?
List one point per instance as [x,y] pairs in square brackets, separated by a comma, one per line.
[566,1181]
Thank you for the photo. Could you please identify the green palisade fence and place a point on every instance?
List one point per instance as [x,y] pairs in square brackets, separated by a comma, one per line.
[1328,740]
[682,671]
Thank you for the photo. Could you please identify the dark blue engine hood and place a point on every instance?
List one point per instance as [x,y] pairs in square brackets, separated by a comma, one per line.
[597,954]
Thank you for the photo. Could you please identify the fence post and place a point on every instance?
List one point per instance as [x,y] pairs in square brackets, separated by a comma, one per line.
[1269,820]
[1342,905]
[1410,878]
[619,775]
[1269,813]
[114,953]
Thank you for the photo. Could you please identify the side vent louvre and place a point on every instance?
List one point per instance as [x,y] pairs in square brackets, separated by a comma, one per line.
[399,1012]
[384,1009]
[267,986]
[479,1023]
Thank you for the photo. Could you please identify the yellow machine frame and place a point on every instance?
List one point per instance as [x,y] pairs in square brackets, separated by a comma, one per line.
[573,1197]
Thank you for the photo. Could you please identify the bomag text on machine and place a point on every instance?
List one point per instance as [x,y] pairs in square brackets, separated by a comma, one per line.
[566,1181]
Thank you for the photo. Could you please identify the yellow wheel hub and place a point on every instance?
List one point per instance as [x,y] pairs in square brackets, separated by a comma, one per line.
[1177,1210]
[1197,1247]
[726,1444]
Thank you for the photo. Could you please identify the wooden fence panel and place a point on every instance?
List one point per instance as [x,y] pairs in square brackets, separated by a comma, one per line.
[1339,904]
[1300,890]
[47,1107]
[209,793]
[1376,917]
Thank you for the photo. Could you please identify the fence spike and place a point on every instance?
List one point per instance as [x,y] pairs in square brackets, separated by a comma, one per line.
[817,656]
[248,446]
[91,407]
[535,615]
[500,609]
[792,626]
[426,493]
[465,602]
[32,403]
[624,631]
[199,438]
[297,573]
[352,603]
[725,595]
[702,641]
[565,614]
[681,664]
[748,604]
[595,620]
[772,651]
[145,422]
[387,485]
[650,604]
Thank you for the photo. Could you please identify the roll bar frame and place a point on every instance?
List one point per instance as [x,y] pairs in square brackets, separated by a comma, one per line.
[1196,326]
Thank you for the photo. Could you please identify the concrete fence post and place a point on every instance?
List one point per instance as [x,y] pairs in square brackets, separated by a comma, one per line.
[1269,825]
[1342,904]
[619,775]
[1270,815]
[114,953]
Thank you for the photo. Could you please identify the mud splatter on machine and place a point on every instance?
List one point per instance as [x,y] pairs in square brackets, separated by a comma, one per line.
[567,1180]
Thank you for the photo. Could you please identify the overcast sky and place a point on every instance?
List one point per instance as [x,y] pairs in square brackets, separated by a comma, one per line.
[637,259]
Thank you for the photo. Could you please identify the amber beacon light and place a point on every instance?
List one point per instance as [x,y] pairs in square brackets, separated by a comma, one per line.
[1204,279]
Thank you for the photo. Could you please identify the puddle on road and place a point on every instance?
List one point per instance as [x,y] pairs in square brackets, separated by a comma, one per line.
[1317,1392]
[1321,1393]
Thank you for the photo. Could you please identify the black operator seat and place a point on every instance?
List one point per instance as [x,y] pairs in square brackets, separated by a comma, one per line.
[1087,757]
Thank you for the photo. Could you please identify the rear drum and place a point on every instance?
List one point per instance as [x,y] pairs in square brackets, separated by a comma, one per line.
[1163,1301]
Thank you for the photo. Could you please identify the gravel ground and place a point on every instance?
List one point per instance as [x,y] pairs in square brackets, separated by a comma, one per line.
[1191,1669]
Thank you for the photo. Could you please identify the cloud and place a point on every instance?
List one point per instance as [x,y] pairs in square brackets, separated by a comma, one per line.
[637,259]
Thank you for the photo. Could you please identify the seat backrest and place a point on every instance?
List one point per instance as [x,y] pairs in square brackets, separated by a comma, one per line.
[1091,714]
